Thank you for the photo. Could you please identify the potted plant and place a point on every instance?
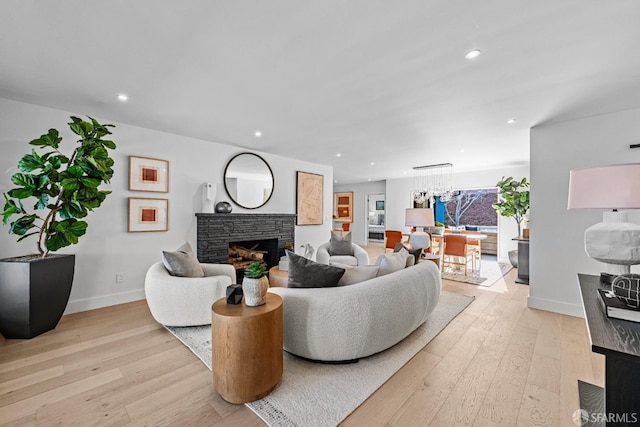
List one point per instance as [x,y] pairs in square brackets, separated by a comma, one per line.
[35,289]
[255,284]
[513,199]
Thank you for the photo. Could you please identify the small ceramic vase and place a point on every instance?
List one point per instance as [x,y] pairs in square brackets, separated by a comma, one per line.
[255,290]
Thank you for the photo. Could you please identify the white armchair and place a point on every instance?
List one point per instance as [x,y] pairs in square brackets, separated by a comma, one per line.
[186,301]
[359,257]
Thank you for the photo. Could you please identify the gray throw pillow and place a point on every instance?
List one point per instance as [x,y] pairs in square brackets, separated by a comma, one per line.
[390,263]
[340,244]
[416,252]
[182,262]
[304,273]
[357,274]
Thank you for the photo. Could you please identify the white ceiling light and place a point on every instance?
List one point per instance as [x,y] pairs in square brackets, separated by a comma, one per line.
[372,164]
[432,181]
[258,134]
[511,121]
[472,54]
[123,97]
[338,155]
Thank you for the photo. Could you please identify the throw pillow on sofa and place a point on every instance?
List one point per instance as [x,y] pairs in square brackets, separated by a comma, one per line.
[416,252]
[356,274]
[390,263]
[182,262]
[340,244]
[304,273]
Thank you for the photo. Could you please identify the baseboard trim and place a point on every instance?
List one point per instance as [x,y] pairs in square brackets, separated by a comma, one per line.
[104,301]
[555,306]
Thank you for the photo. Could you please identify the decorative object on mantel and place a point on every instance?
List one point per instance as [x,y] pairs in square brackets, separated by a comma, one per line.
[234,294]
[513,199]
[614,241]
[35,289]
[146,174]
[627,289]
[147,214]
[223,207]
[309,197]
[431,181]
[255,284]
[209,197]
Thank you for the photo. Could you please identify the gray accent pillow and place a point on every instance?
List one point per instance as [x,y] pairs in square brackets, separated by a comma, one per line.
[340,244]
[416,252]
[357,274]
[390,263]
[304,273]
[182,262]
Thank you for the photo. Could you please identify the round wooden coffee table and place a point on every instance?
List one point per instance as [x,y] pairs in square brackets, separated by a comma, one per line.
[278,278]
[247,349]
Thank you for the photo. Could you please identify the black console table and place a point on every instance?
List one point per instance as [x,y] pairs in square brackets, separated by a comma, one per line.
[619,342]
[523,260]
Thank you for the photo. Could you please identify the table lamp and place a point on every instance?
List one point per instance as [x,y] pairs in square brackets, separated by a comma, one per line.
[419,217]
[614,241]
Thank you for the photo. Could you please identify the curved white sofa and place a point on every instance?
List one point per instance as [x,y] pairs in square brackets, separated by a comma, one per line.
[350,322]
[186,301]
[359,257]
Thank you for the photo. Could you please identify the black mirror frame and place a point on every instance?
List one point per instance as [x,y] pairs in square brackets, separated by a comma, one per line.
[224,179]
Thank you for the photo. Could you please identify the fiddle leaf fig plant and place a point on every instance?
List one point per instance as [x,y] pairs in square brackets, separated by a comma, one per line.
[513,199]
[65,188]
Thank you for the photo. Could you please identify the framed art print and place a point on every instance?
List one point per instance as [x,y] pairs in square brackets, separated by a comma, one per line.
[148,214]
[309,194]
[146,174]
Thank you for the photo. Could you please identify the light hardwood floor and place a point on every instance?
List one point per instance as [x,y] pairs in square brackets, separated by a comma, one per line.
[497,363]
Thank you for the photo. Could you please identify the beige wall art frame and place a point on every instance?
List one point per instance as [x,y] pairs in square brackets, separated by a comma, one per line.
[146,214]
[309,195]
[147,174]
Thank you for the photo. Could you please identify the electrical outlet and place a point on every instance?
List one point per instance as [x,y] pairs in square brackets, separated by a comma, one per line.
[119,277]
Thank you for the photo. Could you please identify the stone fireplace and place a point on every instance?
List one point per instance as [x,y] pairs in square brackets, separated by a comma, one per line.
[217,231]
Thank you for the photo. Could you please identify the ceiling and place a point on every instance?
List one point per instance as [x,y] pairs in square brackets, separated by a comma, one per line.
[377,81]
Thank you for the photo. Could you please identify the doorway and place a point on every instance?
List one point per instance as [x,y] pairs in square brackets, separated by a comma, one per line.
[375,219]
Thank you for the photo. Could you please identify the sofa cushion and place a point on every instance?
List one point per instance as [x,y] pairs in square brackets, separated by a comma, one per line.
[182,262]
[392,262]
[357,274]
[340,244]
[304,273]
[343,259]
[416,252]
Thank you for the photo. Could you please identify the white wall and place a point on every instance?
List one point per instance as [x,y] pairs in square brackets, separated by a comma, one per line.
[398,194]
[108,248]
[557,242]
[360,208]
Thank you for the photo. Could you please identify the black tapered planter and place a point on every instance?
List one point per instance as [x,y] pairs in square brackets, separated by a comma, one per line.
[34,294]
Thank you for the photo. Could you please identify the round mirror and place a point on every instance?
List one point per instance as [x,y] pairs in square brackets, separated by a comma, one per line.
[248,180]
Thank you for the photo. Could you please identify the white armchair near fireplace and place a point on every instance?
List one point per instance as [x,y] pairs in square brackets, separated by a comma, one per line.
[186,301]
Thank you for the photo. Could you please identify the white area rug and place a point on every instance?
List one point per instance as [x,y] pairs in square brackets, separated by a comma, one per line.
[490,273]
[316,394]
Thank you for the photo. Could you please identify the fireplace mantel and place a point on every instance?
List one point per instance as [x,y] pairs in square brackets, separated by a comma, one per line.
[216,230]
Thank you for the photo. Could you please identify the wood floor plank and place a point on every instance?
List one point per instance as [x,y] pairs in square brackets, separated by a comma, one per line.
[10,386]
[539,408]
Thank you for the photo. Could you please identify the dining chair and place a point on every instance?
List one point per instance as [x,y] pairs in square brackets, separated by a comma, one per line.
[474,247]
[455,247]
[391,237]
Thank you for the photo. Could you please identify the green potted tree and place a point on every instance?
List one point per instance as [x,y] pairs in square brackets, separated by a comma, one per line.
[513,199]
[255,284]
[35,289]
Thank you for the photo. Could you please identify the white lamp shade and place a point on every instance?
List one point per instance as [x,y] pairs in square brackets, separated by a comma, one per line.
[606,187]
[419,217]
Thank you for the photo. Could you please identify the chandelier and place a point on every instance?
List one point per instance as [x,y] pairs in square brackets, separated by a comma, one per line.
[432,181]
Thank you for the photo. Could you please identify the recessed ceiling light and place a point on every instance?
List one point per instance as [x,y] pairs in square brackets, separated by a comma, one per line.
[258,134]
[462,150]
[123,97]
[338,155]
[511,121]
[372,164]
[472,54]
[369,179]
[335,181]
